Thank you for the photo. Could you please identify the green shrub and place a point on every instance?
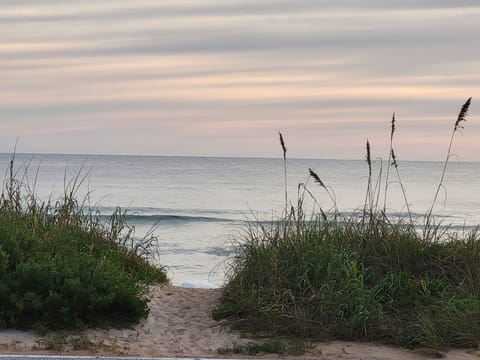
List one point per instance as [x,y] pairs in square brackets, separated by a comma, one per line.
[61,268]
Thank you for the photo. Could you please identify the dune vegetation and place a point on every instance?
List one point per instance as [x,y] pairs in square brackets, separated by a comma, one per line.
[63,268]
[367,276]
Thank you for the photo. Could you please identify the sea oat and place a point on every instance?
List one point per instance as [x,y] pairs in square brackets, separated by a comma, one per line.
[393,126]
[369,159]
[461,118]
[462,115]
[394,159]
[316,178]
[284,148]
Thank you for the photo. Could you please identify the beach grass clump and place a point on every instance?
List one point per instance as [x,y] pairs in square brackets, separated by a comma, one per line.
[358,279]
[366,276]
[62,268]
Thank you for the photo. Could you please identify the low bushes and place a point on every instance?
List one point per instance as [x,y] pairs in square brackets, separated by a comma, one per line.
[61,268]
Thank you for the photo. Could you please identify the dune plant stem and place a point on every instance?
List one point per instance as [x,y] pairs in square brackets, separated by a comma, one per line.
[284,148]
[317,179]
[404,193]
[458,125]
[389,162]
[368,195]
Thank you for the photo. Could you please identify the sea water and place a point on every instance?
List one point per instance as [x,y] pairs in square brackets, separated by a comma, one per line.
[200,207]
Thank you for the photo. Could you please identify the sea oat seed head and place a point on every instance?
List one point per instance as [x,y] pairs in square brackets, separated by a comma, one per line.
[284,148]
[316,178]
[462,115]
[393,126]
[369,158]
[394,159]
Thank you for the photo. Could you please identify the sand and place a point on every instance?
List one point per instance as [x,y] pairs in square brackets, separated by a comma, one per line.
[179,325]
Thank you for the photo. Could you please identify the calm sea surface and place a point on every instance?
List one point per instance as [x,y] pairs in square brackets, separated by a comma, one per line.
[202,205]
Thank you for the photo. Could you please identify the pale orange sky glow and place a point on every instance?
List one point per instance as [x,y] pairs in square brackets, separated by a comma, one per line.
[221,78]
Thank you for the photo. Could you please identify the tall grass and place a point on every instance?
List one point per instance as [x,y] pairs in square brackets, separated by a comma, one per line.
[284,149]
[461,119]
[61,267]
[367,277]
[392,162]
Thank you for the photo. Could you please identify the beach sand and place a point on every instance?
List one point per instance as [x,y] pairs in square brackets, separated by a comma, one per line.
[179,325]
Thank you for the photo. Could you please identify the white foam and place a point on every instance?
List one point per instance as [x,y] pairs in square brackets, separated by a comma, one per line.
[198,284]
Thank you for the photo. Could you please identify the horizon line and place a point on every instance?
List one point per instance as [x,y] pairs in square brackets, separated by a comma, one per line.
[219,157]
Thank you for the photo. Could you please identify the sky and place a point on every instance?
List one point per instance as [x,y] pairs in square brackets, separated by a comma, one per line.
[222,77]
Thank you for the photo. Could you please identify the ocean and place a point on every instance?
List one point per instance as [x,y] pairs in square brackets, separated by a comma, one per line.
[200,206]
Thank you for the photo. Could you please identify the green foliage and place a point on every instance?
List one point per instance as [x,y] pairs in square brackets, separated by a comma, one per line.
[357,278]
[366,276]
[61,268]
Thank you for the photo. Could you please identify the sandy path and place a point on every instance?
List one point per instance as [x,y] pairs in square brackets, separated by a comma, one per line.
[179,325]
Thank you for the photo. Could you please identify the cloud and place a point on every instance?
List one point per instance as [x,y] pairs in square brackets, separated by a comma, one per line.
[218,75]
